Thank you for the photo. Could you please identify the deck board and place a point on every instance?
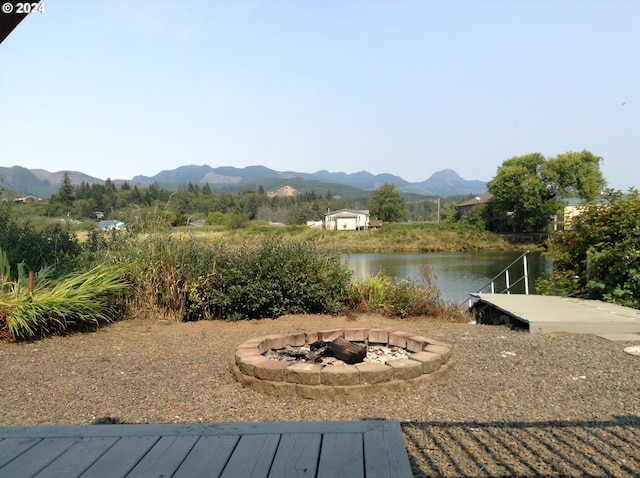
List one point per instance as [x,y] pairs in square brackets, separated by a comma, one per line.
[208,457]
[369,449]
[297,455]
[341,453]
[75,460]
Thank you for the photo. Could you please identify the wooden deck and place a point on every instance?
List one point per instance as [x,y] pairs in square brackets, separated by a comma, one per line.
[546,314]
[373,448]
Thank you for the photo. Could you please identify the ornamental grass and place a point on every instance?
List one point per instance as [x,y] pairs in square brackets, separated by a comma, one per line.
[56,305]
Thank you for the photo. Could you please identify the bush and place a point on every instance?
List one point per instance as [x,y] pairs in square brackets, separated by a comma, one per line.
[217,281]
[270,279]
[600,257]
[51,245]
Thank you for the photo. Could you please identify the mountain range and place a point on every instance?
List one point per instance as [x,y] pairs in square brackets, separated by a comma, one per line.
[447,182]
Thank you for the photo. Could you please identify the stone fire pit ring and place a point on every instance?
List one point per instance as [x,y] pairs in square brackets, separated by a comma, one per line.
[428,360]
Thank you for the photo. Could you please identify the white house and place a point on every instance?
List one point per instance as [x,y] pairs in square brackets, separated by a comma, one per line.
[118,225]
[347,220]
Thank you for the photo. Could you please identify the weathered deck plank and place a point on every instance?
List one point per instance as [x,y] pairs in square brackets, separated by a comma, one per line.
[208,457]
[341,455]
[75,460]
[369,449]
[297,455]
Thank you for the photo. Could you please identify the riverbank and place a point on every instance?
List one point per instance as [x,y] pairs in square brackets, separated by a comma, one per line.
[513,404]
[391,238]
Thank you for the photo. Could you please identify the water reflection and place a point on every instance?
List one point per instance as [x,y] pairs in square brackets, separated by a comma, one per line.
[457,274]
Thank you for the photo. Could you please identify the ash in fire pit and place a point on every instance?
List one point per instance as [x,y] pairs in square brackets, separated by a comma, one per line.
[337,351]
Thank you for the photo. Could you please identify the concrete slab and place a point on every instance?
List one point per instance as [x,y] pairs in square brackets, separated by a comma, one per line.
[546,314]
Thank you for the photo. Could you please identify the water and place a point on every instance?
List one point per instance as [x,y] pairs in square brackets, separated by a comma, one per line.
[457,274]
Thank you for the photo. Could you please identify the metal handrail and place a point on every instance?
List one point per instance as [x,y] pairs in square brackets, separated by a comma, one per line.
[505,271]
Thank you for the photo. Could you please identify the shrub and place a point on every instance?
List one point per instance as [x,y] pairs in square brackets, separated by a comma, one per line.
[51,245]
[216,281]
[269,279]
[600,257]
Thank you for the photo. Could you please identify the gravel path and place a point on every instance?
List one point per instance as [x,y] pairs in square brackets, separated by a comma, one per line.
[514,404]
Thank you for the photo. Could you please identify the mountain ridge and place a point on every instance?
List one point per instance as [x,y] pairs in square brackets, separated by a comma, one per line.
[444,183]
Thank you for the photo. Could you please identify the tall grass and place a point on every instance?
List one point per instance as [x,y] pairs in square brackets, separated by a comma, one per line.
[191,281]
[56,305]
[405,298]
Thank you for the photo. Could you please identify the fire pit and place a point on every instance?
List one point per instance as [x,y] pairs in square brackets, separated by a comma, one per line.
[379,359]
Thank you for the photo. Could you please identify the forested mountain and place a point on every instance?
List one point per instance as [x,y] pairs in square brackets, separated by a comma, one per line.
[40,182]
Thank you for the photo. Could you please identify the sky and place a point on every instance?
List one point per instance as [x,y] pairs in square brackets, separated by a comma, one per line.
[120,88]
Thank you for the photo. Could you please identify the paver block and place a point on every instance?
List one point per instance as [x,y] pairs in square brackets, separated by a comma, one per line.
[271,370]
[438,342]
[276,341]
[311,337]
[416,343]
[248,352]
[399,339]
[247,365]
[356,335]
[379,336]
[329,335]
[404,369]
[304,373]
[440,349]
[430,361]
[297,339]
[277,388]
[374,373]
[339,375]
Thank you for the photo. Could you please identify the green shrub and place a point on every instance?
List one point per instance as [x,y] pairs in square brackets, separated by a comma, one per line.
[50,245]
[269,279]
[600,257]
[216,281]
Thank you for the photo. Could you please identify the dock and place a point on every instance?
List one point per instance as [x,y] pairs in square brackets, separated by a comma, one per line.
[548,314]
[367,449]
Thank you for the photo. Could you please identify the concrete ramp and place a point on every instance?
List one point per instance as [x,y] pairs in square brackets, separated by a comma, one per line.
[545,314]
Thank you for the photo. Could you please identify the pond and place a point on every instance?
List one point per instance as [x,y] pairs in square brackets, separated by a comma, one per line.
[457,274]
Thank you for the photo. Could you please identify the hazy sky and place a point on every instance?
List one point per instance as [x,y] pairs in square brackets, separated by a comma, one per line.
[120,87]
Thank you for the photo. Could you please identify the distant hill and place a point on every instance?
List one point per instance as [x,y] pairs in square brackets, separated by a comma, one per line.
[38,182]
[449,183]
[42,183]
[442,183]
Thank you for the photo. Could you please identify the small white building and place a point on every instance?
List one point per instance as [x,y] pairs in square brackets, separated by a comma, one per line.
[347,220]
[112,224]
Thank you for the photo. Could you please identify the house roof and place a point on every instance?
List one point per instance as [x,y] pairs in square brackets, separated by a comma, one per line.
[482,199]
[110,224]
[348,211]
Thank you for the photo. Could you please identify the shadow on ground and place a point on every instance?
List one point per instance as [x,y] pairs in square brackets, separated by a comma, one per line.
[525,449]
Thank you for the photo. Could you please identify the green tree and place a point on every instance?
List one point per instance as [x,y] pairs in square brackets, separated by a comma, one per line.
[599,258]
[387,204]
[449,213]
[529,189]
[66,192]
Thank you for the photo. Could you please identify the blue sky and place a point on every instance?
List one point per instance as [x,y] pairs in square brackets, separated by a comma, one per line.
[118,88]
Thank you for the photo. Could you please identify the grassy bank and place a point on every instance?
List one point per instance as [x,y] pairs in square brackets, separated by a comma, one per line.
[392,238]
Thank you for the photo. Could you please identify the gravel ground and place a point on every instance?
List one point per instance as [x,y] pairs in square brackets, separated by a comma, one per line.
[514,404]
